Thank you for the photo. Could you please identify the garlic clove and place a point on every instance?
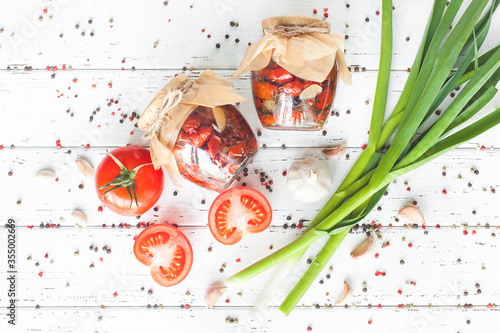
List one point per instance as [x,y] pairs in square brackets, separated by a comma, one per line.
[85,168]
[309,180]
[269,104]
[47,174]
[345,295]
[220,119]
[363,247]
[80,218]
[310,92]
[412,213]
[335,152]
[214,292]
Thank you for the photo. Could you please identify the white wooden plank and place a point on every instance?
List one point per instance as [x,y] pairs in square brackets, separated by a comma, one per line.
[196,320]
[136,28]
[443,264]
[43,202]
[45,117]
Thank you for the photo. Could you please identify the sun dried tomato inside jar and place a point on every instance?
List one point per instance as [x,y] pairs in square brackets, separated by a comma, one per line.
[287,102]
[210,156]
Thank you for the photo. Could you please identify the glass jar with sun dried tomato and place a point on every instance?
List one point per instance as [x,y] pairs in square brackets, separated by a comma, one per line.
[287,102]
[211,157]
[196,133]
[295,67]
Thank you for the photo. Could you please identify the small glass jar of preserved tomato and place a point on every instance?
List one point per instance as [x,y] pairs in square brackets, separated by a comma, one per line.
[196,133]
[295,68]
[212,157]
[287,102]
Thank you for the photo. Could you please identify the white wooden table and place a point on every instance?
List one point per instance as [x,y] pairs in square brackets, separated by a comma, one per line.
[57,67]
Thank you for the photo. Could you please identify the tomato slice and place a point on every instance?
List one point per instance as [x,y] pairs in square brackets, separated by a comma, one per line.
[279,75]
[238,211]
[166,251]
[293,88]
[263,90]
[200,137]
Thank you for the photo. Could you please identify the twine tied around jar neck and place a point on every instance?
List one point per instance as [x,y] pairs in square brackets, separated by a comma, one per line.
[172,98]
[296,30]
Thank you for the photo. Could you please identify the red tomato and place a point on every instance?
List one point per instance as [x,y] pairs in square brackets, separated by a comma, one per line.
[126,181]
[279,75]
[199,138]
[293,88]
[193,122]
[166,251]
[214,147]
[238,211]
[263,90]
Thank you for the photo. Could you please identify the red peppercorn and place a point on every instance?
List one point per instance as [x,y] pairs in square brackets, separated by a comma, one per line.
[444,192]
[408,189]
[299,226]
[373,223]
[370,322]
[400,306]
[202,30]
[489,306]
[382,273]
[284,173]
[376,255]
[473,232]
[87,146]
[63,67]
[437,112]
[227,300]
[1,147]
[377,273]
[110,85]
[483,147]
[379,306]
[45,10]
[309,328]
[408,70]
[400,292]
[100,209]
[465,232]
[438,226]
[115,294]
[387,244]
[40,274]
[377,13]
[47,68]
[379,226]
[363,147]
[46,255]
[315,11]
[238,260]
[208,36]
[410,245]
[101,259]
[415,202]
[187,306]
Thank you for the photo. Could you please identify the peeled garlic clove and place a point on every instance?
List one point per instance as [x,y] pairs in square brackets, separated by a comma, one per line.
[85,168]
[335,152]
[214,292]
[310,92]
[220,119]
[309,180]
[80,218]
[346,293]
[363,247]
[269,104]
[412,213]
[46,174]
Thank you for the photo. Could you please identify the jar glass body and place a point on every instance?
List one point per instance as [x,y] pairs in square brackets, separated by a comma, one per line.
[211,158]
[286,102]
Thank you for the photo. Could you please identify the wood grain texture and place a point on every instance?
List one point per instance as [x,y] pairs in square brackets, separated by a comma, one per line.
[126,51]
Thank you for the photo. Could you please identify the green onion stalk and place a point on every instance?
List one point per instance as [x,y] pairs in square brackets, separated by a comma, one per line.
[445,61]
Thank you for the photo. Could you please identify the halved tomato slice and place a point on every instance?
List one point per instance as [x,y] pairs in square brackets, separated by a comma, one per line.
[238,211]
[166,251]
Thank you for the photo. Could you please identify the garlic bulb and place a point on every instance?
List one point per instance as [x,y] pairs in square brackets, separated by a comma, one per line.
[309,180]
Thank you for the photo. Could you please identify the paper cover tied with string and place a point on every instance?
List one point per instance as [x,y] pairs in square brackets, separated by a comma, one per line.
[196,133]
